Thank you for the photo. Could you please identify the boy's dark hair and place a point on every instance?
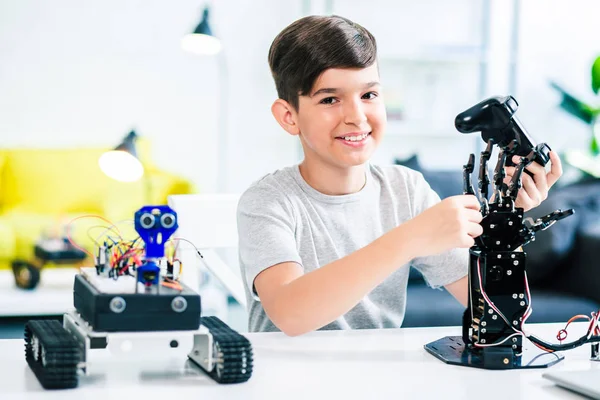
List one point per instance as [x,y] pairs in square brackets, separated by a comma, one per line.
[313,44]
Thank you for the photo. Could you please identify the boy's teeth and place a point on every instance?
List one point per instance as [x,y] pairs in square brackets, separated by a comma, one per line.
[355,138]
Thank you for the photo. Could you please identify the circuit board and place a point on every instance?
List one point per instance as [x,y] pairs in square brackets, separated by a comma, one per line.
[125,284]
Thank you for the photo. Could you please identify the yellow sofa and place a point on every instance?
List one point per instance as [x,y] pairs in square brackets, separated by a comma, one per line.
[43,189]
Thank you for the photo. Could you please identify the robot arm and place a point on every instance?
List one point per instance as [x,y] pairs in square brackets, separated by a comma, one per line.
[498,304]
[499,297]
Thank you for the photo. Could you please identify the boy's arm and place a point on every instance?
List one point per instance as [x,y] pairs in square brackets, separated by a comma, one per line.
[460,290]
[298,303]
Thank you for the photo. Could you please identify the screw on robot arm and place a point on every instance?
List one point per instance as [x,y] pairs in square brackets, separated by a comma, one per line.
[484,180]
[467,171]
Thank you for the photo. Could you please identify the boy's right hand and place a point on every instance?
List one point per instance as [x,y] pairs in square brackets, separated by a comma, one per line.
[453,222]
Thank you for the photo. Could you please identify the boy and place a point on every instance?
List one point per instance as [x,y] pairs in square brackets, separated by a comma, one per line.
[326,244]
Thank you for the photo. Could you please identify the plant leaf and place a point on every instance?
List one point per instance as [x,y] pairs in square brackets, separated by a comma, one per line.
[574,106]
[596,75]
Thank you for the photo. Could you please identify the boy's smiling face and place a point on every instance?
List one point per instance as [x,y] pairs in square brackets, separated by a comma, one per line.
[342,120]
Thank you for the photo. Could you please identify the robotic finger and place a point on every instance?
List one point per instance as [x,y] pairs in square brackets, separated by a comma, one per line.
[467,171]
[516,182]
[484,180]
[547,221]
[499,175]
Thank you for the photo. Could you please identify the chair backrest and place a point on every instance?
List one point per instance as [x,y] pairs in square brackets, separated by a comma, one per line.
[209,221]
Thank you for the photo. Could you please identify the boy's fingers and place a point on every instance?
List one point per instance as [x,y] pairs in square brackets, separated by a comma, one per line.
[534,167]
[541,183]
[471,201]
[525,200]
[473,215]
[536,186]
[532,190]
[555,170]
[474,230]
[467,242]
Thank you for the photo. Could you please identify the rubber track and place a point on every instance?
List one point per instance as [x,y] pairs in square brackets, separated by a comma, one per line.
[58,354]
[236,358]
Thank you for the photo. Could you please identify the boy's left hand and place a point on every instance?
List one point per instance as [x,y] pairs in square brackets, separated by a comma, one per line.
[535,189]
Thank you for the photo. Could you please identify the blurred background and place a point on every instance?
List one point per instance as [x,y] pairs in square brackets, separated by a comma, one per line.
[77,76]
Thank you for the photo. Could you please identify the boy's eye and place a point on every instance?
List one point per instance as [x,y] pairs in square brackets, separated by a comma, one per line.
[328,100]
[369,95]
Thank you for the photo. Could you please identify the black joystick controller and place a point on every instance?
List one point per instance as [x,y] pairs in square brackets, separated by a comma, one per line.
[495,119]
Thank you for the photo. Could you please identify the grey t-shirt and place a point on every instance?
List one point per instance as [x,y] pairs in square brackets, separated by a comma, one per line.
[283,219]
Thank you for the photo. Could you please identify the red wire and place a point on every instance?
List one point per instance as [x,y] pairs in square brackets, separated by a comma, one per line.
[80,217]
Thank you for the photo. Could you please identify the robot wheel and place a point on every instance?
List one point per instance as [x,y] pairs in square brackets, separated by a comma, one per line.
[52,354]
[232,353]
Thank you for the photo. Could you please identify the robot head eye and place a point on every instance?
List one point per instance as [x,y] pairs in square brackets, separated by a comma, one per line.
[167,220]
[147,221]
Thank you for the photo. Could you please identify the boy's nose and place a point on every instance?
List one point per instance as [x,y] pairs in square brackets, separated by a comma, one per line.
[354,113]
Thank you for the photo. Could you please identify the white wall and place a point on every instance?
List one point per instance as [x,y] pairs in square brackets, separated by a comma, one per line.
[85,72]
[559,40]
[257,145]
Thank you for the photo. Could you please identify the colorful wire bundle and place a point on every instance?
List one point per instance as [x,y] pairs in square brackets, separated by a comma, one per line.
[123,256]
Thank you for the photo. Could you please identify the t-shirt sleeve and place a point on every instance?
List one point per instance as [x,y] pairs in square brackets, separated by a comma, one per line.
[444,268]
[266,231]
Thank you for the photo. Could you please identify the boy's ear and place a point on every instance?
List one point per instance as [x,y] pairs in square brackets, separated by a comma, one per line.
[286,116]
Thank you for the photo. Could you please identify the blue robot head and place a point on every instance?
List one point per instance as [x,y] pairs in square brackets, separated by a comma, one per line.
[155,225]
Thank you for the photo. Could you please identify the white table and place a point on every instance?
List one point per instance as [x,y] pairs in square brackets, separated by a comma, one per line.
[53,296]
[367,364]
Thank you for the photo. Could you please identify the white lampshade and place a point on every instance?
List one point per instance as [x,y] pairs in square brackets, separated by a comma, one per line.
[121,166]
[202,40]
[199,43]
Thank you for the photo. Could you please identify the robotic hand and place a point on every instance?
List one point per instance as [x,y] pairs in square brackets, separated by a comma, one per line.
[499,300]
[504,228]
[499,303]
[498,125]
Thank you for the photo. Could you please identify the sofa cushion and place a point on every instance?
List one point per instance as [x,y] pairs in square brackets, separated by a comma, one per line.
[556,248]
[7,239]
[43,189]
[436,307]
[28,228]
[444,183]
[580,274]
[55,181]
[2,189]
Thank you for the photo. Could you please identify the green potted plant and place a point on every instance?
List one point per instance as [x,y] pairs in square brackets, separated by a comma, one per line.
[586,161]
